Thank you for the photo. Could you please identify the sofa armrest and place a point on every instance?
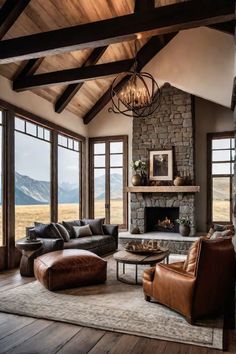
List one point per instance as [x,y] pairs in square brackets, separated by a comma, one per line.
[111,230]
[51,244]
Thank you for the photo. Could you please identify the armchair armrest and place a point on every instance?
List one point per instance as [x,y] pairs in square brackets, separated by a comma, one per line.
[111,230]
[174,287]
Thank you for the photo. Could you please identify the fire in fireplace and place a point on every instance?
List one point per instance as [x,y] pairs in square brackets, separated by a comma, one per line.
[161,219]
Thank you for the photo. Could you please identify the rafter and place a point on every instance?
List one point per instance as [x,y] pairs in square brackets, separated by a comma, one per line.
[227,27]
[145,54]
[9,13]
[161,20]
[29,69]
[72,75]
[72,89]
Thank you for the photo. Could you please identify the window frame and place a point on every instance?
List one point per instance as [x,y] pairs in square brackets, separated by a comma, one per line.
[210,176]
[107,140]
[9,257]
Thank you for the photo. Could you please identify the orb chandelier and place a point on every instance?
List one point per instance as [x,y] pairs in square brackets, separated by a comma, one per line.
[139,97]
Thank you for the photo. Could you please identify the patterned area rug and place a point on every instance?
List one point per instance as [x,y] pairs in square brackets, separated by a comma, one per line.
[113,306]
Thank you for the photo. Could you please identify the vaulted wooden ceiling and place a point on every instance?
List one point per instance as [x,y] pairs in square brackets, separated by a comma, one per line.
[87,59]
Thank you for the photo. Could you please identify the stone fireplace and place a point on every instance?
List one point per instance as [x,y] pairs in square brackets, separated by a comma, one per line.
[170,127]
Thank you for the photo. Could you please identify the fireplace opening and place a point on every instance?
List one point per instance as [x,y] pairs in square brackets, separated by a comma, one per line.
[161,219]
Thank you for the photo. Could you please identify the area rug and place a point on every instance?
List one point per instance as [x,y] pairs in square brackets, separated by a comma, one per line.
[113,306]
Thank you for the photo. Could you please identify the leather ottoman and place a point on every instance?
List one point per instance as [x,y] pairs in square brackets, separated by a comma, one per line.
[69,269]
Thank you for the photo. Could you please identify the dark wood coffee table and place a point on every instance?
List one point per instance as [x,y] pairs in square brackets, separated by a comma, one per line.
[126,257]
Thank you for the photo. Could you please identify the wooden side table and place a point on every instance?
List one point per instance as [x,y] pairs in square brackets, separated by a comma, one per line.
[30,250]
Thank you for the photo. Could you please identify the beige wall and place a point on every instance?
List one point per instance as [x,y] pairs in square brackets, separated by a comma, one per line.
[196,61]
[209,118]
[41,107]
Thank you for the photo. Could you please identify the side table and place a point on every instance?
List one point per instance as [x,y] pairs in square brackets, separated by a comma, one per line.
[30,250]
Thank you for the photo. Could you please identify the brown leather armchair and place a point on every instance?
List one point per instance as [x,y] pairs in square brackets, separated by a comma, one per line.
[202,285]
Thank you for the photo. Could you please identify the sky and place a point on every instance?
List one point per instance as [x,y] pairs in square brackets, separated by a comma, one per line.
[32,158]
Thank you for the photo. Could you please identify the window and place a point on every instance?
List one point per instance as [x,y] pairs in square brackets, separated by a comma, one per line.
[69,178]
[32,175]
[108,161]
[221,149]
[1,209]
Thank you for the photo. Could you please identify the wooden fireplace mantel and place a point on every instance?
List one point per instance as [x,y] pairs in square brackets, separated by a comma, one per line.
[163,189]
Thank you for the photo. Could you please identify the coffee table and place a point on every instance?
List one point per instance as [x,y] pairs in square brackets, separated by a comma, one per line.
[126,257]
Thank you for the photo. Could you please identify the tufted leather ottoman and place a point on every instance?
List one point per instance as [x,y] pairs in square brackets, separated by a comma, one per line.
[69,269]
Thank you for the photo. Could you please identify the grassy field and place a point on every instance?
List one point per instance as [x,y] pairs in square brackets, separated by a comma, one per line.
[27,214]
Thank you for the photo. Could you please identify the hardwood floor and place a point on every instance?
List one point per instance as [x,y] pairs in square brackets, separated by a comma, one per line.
[25,335]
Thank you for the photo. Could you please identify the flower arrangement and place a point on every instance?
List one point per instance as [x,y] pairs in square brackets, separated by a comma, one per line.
[139,166]
[183,221]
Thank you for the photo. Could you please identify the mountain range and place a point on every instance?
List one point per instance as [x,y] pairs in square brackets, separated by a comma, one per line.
[29,191]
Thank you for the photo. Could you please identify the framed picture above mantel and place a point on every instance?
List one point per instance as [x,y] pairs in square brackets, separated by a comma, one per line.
[161,165]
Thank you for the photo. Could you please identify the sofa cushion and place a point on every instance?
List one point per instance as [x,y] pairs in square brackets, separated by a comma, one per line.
[95,225]
[46,230]
[69,226]
[63,232]
[192,257]
[89,242]
[82,231]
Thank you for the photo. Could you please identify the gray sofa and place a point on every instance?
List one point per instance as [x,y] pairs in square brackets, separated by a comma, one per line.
[99,244]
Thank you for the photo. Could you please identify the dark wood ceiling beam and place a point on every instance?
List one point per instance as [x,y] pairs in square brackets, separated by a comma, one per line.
[29,68]
[72,89]
[161,20]
[72,75]
[227,27]
[9,13]
[145,54]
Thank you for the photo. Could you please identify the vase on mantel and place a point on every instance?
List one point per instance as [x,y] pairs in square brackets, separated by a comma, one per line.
[136,179]
[143,179]
[178,181]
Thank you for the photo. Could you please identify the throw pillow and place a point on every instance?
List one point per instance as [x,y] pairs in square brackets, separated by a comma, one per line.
[46,230]
[63,232]
[95,225]
[210,233]
[82,231]
[69,227]
[219,234]
[191,261]
[218,227]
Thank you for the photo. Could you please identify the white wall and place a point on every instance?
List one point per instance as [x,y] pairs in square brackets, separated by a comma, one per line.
[199,61]
[108,124]
[209,118]
[41,107]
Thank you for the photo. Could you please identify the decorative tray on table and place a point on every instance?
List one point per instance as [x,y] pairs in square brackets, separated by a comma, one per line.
[148,247]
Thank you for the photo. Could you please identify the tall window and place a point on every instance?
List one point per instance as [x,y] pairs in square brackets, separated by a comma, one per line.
[1,214]
[32,175]
[108,160]
[69,178]
[221,156]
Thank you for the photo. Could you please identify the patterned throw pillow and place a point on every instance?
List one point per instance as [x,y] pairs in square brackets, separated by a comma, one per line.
[220,234]
[82,231]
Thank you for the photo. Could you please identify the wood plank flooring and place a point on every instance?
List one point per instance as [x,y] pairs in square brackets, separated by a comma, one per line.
[25,335]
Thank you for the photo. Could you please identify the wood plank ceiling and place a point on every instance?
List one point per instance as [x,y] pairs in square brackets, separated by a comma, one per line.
[47,15]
